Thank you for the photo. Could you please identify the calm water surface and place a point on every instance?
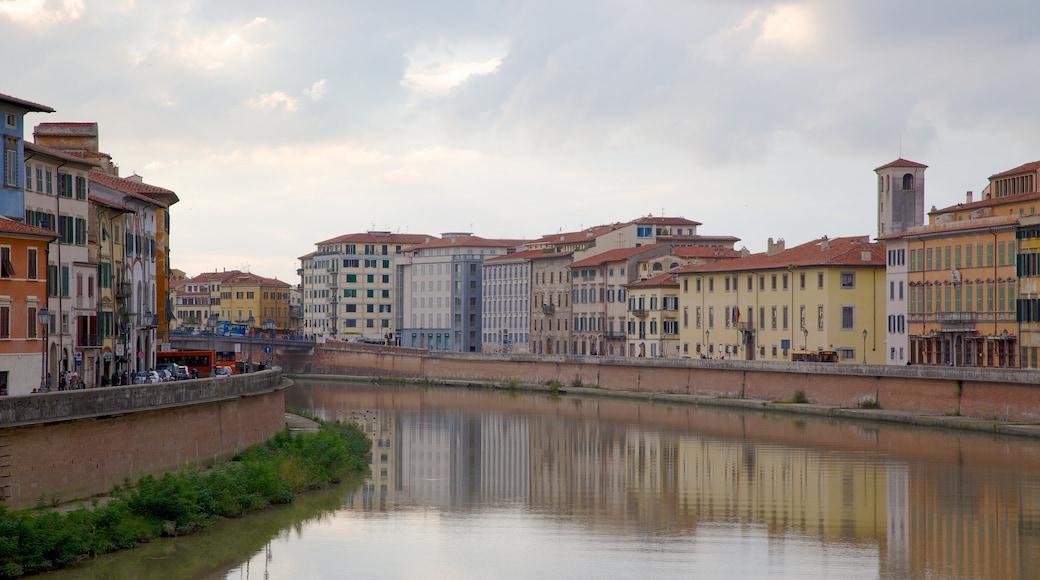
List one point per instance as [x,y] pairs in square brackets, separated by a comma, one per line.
[475,484]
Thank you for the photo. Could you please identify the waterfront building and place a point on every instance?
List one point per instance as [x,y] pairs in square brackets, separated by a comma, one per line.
[653,321]
[244,297]
[195,300]
[550,301]
[105,250]
[506,295]
[963,276]
[56,199]
[441,291]
[138,322]
[826,294]
[12,131]
[900,207]
[598,297]
[349,285]
[23,296]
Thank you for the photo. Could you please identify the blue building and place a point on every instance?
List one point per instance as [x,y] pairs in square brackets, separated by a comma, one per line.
[12,200]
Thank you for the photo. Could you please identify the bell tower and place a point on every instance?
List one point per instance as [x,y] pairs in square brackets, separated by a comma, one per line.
[900,196]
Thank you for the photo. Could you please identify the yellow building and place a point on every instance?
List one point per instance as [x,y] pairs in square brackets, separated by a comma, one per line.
[105,245]
[822,295]
[962,277]
[653,317]
[244,295]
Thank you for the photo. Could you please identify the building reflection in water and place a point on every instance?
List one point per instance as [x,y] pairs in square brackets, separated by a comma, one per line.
[926,513]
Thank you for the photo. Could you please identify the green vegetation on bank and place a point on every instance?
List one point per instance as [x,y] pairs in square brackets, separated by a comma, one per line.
[33,541]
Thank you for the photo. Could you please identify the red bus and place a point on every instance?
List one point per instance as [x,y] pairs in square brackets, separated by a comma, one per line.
[200,361]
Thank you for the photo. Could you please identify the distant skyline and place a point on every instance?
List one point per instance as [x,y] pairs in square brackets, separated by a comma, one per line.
[280,124]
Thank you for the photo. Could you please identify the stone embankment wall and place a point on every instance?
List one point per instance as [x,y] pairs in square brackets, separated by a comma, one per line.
[74,444]
[1003,394]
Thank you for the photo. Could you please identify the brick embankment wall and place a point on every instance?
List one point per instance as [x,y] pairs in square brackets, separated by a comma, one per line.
[999,394]
[74,444]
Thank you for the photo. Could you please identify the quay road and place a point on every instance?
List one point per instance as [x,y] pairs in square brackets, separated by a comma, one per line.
[248,346]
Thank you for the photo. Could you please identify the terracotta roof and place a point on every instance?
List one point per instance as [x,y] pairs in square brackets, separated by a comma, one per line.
[28,105]
[590,233]
[665,221]
[378,238]
[521,256]
[468,242]
[954,226]
[839,252]
[614,255]
[992,201]
[249,279]
[132,187]
[902,163]
[308,256]
[59,154]
[705,252]
[109,204]
[668,279]
[1031,167]
[9,226]
[550,255]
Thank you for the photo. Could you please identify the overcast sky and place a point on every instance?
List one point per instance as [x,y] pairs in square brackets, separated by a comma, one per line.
[280,124]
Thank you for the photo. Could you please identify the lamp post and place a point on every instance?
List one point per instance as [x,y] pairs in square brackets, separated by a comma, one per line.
[43,316]
[805,336]
[864,346]
[269,327]
[707,345]
[249,325]
[211,324]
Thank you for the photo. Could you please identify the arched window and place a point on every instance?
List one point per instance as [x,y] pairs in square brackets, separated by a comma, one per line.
[908,182]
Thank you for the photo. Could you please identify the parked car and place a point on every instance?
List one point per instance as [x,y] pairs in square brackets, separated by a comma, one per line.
[152,377]
[167,366]
[222,371]
[183,373]
[165,375]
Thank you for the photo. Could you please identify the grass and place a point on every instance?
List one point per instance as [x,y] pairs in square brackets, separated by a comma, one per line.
[35,541]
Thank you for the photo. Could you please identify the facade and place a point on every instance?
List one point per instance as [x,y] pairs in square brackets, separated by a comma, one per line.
[23,297]
[550,302]
[350,284]
[506,307]
[900,195]
[598,297]
[1027,307]
[244,296]
[653,317]
[12,132]
[138,322]
[195,299]
[441,297]
[963,297]
[105,250]
[822,295]
[56,186]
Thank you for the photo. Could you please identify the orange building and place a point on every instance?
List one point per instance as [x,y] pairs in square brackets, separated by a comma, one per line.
[23,294]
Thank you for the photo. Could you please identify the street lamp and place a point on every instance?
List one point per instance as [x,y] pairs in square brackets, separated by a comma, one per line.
[211,324]
[805,335]
[864,346]
[44,317]
[707,346]
[249,325]
[269,327]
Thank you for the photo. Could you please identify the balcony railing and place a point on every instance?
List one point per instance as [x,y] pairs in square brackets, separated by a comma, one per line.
[614,335]
[89,341]
[639,312]
[123,289]
[548,309]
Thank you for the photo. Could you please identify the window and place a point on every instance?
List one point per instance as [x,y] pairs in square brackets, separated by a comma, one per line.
[11,168]
[848,320]
[848,280]
[5,320]
[31,266]
[6,267]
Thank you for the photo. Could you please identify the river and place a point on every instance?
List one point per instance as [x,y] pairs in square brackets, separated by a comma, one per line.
[469,484]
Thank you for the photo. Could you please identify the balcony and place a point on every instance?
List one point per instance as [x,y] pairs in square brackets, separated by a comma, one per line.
[639,312]
[88,341]
[614,335]
[548,309]
[124,289]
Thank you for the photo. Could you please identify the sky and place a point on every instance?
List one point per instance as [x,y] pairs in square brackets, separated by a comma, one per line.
[282,124]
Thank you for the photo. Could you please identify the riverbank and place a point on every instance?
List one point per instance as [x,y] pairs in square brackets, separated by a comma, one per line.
[934,420]
[273,472]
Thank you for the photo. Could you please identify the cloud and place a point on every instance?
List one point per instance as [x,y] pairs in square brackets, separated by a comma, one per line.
[184,47]
[274,101]
[435,71]
[316,92]
[42,14]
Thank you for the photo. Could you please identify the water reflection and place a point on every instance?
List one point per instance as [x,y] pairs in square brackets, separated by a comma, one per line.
[484,484]
[924,503]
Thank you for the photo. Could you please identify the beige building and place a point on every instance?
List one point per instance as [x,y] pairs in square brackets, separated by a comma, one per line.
[653,322]
[822,295]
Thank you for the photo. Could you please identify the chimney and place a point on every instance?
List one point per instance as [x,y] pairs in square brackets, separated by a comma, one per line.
[825,244]
[967,198]
[774,247]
